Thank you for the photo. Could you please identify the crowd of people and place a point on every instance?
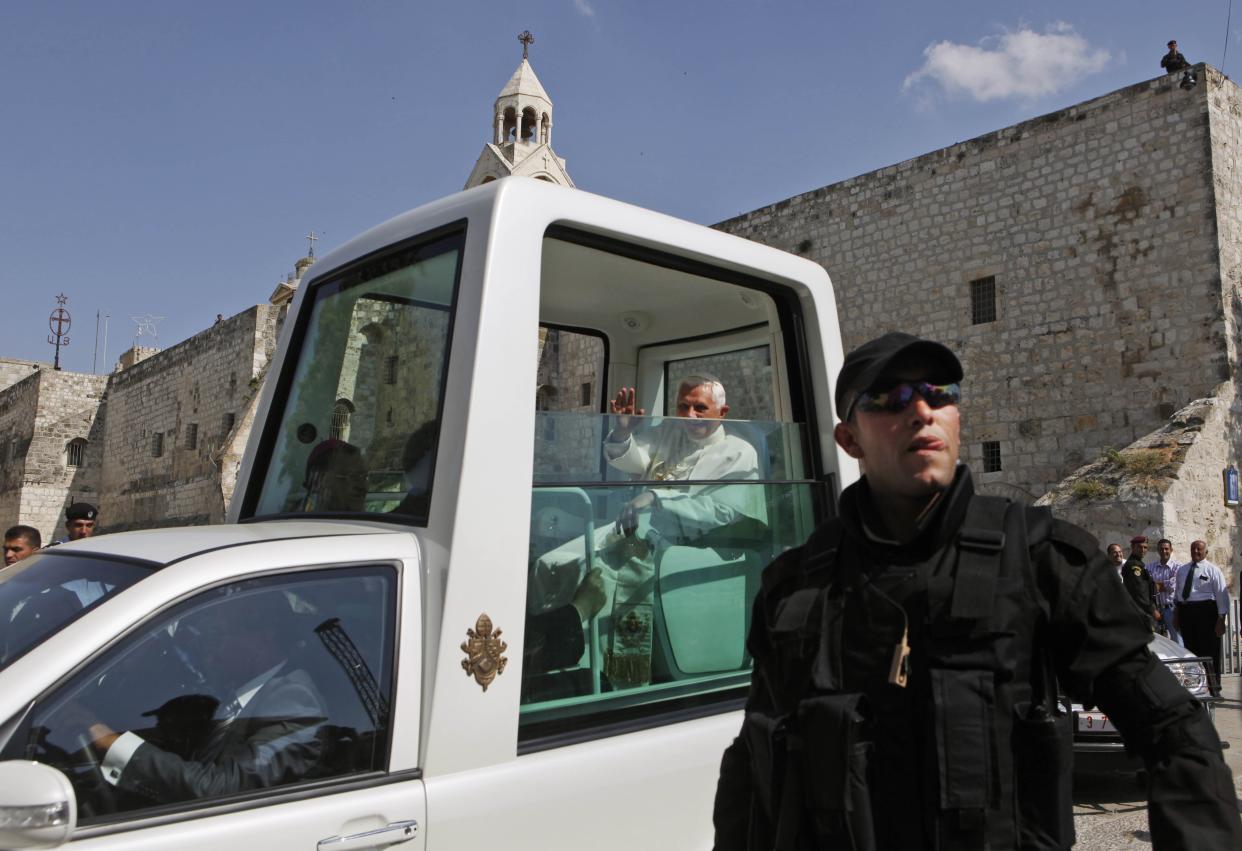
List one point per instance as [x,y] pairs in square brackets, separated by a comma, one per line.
[1186,601]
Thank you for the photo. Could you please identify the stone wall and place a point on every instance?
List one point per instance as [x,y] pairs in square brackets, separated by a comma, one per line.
[39,417]
[1168,484]
[1183,497]
[1224,536]
[13,371]
[172,419]
[69,410]
[1098,226]
[18,404]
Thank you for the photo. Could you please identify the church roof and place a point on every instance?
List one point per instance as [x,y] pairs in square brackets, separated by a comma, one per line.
[524,82]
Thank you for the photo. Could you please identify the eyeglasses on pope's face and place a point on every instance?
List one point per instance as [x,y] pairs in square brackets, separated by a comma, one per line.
[897,398]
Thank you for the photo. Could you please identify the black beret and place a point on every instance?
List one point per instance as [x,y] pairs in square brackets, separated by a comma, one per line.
[81,511]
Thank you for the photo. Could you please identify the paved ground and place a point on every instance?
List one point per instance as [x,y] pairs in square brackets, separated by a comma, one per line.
[1110,811]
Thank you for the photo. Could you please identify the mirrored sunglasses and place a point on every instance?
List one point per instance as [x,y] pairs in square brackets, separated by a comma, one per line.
[898,397]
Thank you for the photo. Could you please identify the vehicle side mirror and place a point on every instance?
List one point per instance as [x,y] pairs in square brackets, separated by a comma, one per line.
[37,806]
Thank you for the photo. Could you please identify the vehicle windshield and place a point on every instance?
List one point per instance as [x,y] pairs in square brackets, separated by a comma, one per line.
[354,429]
[42,594]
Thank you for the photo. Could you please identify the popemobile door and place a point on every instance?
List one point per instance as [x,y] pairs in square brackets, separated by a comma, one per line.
[261,711]
[642,548]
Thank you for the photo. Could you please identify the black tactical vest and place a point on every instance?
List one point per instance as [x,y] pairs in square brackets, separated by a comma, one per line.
[912,709]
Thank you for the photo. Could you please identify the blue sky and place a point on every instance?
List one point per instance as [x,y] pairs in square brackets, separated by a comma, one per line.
[168,158]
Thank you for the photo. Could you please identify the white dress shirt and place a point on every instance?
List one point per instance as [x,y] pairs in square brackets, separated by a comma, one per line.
[1208,584]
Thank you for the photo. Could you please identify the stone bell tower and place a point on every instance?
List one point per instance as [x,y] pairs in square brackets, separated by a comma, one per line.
[521,131]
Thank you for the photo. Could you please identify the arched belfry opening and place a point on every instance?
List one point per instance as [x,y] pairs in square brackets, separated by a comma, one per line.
[521,131]
[529,122]
[508,125]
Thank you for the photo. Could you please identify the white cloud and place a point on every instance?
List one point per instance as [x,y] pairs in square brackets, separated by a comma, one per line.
[1022,63]
[584,8]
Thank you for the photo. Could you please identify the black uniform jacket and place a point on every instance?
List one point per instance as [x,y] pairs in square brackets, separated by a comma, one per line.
[1086,626]
[1137,582]
[274,740]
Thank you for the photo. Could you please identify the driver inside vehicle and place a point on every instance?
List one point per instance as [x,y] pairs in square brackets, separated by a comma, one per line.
[261,728]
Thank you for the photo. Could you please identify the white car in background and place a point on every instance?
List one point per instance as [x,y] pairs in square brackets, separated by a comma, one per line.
[1098,745]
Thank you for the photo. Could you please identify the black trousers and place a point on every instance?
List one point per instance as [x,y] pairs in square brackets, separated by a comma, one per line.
[1198,627]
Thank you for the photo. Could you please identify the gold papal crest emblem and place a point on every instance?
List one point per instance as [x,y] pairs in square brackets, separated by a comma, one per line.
[483,651]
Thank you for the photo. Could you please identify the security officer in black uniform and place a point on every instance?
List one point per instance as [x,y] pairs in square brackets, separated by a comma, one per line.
[906,657]
[1137,581]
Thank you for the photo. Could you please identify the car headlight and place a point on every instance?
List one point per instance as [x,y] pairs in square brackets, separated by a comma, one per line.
[1192,676]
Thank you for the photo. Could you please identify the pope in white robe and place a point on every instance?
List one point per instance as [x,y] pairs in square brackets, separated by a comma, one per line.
[698,449]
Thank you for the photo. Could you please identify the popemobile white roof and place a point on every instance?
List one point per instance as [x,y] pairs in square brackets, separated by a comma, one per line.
[175,543]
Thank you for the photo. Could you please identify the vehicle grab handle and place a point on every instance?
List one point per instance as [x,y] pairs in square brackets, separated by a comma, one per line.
[395,833]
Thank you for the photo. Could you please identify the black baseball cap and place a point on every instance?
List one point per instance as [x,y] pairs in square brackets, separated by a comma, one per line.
[81,511]
[870,365]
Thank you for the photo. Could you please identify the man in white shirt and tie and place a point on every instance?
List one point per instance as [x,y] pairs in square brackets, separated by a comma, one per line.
[1202,601]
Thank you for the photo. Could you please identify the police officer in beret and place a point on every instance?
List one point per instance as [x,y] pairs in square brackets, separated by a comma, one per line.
[81,519]
[1137,582]
[907,657]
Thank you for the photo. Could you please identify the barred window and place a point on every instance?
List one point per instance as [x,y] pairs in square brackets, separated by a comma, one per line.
[586,394]
[157,445]
[991,456]
[226,424]
[340,419]
[75,452]
[983,300]
[191,436]
[390,369]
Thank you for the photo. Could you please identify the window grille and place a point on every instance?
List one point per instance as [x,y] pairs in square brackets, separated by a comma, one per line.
[390,369]
[340,420]
[983,300]
[75,452]
[157,445]
[191,436]
[226,424]
[586,394]
[991,456]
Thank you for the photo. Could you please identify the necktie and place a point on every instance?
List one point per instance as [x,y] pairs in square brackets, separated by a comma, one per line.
[1190,578]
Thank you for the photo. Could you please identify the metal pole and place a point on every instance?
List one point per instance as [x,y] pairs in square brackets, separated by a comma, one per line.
[95,353]
[107,316]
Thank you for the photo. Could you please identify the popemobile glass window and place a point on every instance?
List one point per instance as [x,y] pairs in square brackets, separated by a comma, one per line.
[248,687]
[649,534]
[356,426]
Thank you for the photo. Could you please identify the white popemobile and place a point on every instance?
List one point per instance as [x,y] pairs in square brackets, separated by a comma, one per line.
[374,651]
